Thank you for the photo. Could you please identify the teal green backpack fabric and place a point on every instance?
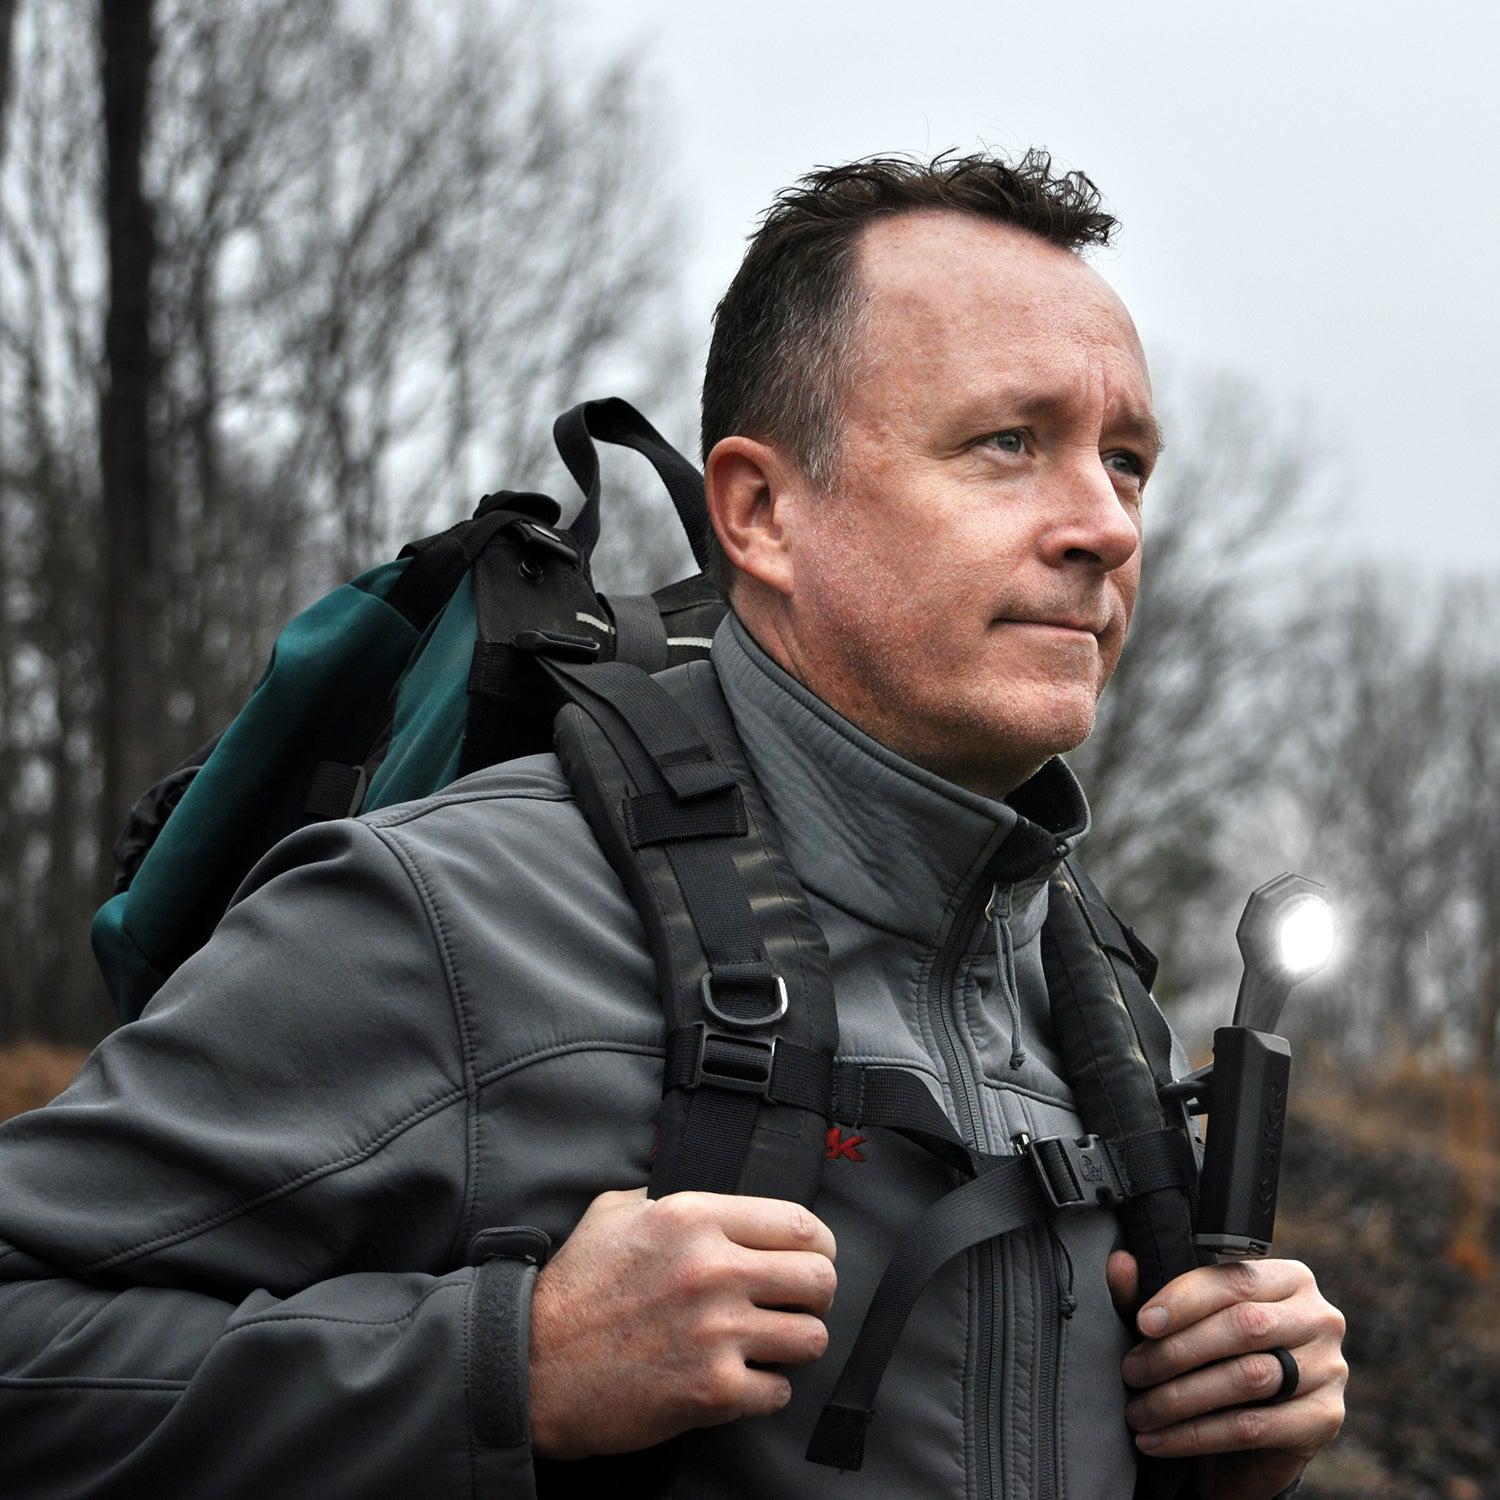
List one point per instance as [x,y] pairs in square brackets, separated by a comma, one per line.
[389,688]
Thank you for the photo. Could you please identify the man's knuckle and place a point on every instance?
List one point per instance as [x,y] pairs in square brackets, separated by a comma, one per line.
[815,1340]
[1259,1372]
[1252,1319]
[722,1387]
[677,1213]
[1248,1427]
[801,1227]
[824,1279]
[696,1273]
[1164,1405]
[1244,1278]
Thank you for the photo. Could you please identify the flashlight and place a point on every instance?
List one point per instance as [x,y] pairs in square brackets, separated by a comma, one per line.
[1285,936]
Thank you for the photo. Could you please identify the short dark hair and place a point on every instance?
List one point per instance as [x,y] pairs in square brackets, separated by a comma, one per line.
[784,330]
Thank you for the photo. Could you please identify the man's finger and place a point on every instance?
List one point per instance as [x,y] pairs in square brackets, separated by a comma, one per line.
[800,1279]
[1195,1295]
[1299,1428]
[1246,1328]
[1124,1278]
[1232,1382]
[759,1223]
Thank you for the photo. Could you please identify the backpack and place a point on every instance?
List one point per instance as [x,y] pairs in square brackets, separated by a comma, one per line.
[487,642]
[393,685]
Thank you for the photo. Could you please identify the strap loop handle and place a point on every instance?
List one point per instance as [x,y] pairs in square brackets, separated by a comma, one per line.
[615,421]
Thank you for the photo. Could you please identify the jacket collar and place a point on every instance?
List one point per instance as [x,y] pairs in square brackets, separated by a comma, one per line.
[882,838]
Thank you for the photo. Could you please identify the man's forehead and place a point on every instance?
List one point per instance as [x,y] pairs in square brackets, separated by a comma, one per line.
[963,309]
[958,268]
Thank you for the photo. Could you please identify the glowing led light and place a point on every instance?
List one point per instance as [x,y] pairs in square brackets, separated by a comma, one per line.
[1304,935]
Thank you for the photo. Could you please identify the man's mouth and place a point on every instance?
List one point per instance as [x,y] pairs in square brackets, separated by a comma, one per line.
[1074,627]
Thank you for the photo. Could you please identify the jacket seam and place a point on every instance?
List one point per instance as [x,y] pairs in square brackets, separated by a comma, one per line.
[234,1211]
[468,1367]
[410,812]
[561,1049]
[1000,1086]
[88,1383]
[414,873]
[263,1319]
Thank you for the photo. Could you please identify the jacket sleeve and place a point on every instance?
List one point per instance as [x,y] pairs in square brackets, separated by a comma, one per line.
[232,1254]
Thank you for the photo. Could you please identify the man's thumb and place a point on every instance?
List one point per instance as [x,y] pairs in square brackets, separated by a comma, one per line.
[1123,1276]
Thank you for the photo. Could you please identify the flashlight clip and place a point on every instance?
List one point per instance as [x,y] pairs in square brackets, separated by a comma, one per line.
[1193,1090]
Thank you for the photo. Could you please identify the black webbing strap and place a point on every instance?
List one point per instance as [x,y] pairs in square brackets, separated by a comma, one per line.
[676,748]
[616,421]
[1005,1197]
[438,564]
[640,631]
[659,818]
[1110,934]
[336,792]
[691,805]
[1004,1194]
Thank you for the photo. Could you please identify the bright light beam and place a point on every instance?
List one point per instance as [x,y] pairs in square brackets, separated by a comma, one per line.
[1304,934]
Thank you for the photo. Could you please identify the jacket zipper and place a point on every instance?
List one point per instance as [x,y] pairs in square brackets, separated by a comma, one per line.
[1049,1291]
[939,1000]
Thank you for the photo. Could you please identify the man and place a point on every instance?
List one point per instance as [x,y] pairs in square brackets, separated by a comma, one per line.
[238,1245]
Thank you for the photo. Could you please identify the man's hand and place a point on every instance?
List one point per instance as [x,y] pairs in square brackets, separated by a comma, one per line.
[1205,1336]
[658,1315]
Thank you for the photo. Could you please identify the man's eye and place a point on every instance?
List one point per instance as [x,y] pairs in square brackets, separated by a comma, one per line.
[1012,441]
[1127,463]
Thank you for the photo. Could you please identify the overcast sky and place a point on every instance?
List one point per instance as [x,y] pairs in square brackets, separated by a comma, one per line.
[1308,192]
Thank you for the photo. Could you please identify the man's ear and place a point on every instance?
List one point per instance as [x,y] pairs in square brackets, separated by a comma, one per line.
[753,495]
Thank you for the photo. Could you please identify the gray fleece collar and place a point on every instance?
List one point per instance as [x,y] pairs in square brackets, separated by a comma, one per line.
[874,833]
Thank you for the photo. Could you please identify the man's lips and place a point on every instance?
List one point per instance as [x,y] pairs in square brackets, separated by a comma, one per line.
[1076,627]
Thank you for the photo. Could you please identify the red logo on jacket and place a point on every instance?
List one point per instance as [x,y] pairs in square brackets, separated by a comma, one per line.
[840,1147]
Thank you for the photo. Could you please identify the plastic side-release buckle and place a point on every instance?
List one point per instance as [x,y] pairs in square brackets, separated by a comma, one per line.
[744,1063]
[1077,1172]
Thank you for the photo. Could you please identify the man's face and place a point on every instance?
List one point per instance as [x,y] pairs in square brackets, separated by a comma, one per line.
[964,591]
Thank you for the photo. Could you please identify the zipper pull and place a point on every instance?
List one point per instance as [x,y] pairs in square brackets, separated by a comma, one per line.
[1005,953]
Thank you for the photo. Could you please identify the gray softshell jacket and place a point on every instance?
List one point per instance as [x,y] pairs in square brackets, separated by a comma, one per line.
[235,1254]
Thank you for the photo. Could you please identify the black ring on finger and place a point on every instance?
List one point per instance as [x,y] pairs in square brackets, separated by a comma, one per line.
[1291,1376]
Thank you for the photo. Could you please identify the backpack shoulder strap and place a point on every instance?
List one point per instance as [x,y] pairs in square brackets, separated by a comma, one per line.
[742,966]
[1117,1054]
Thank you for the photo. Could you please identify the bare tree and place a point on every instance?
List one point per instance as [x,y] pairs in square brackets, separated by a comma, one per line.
[391,242]
[129,654]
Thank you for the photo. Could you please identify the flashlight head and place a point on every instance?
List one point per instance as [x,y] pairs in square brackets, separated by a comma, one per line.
[1285,936]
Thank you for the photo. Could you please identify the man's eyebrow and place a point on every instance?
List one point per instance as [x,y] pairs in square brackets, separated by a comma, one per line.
[1140,427]
[1143,429]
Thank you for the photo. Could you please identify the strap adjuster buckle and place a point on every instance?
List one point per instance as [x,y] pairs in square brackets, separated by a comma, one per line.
[742,1063]
[1077,1172]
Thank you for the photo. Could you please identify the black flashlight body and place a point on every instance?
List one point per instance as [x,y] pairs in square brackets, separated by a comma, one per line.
[1236,1214]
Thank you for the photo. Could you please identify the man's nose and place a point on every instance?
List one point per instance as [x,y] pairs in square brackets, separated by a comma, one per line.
[1090,521]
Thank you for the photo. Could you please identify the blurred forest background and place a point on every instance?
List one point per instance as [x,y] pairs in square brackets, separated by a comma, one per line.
[284,283]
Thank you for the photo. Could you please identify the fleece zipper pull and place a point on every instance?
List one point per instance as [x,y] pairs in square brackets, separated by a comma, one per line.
[998,911]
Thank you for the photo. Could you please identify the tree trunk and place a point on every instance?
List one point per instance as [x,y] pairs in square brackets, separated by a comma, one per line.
[129,645]
[8,9]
